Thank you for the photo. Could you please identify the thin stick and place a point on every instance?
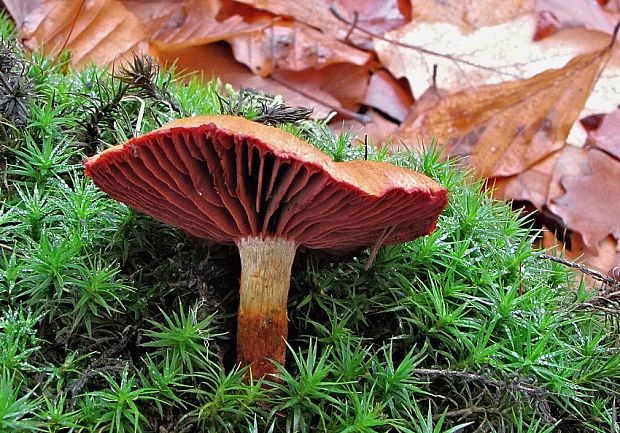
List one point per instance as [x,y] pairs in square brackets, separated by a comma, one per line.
[375,248]
[353,26]
[584,269]
[524,389]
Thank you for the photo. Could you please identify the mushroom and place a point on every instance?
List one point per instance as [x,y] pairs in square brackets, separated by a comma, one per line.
[230,180]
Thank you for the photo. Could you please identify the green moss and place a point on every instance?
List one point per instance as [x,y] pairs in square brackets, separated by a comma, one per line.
[114,322]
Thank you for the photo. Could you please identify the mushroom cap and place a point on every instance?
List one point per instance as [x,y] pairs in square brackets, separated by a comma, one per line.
[226,178]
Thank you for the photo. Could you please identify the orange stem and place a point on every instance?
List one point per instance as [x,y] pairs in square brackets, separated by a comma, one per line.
[262,324]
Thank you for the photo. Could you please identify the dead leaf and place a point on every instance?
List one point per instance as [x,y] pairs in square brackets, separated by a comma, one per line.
[532,185]
[607,258]
[38,21]
[372,15]
[155,14]
[378,129]
[293,46]
[540,184]
[489,55]
[316,85]
[605,96]
[388,95]
[503,129]
[571,161]
[493,55]
[347,83]
[610,6]
[546,25]
[470,14]
[98,30]
[590,204]
[580,13]
[607,136]
[198,25]
[592,122]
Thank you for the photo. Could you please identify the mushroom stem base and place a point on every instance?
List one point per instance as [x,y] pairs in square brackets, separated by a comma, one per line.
[262,324]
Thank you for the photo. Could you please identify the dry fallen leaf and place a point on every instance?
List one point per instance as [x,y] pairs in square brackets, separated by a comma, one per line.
[489,55]
[580,13]
[378,128]
[503,129]
[375,16]
[198,25]
[544,186]
[571,161]
[388,95]
[98,30]
[590,204]
[470,14]
[540,184]
[347,83]
[493,55]
[607,136]
[156,14]
[531,185]
[293,46]
[605,96]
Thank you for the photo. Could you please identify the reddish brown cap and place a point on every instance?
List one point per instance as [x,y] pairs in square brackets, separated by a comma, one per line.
[226,178]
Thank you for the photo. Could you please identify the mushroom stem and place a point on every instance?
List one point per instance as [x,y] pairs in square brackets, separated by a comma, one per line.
[262,323]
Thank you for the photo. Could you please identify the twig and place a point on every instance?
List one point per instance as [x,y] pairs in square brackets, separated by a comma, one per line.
[6,247]
[614,35]
[584,269]
[607,303]
[614,417]
[88,374]
[77,14]
[105,363]
[466,411]
[375,248]
[353,25]
[504,384]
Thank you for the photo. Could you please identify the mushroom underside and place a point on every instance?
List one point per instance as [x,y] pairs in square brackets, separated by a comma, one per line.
[224,188]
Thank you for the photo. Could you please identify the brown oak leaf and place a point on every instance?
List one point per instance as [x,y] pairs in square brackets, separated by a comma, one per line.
[607,136]
[591,203]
